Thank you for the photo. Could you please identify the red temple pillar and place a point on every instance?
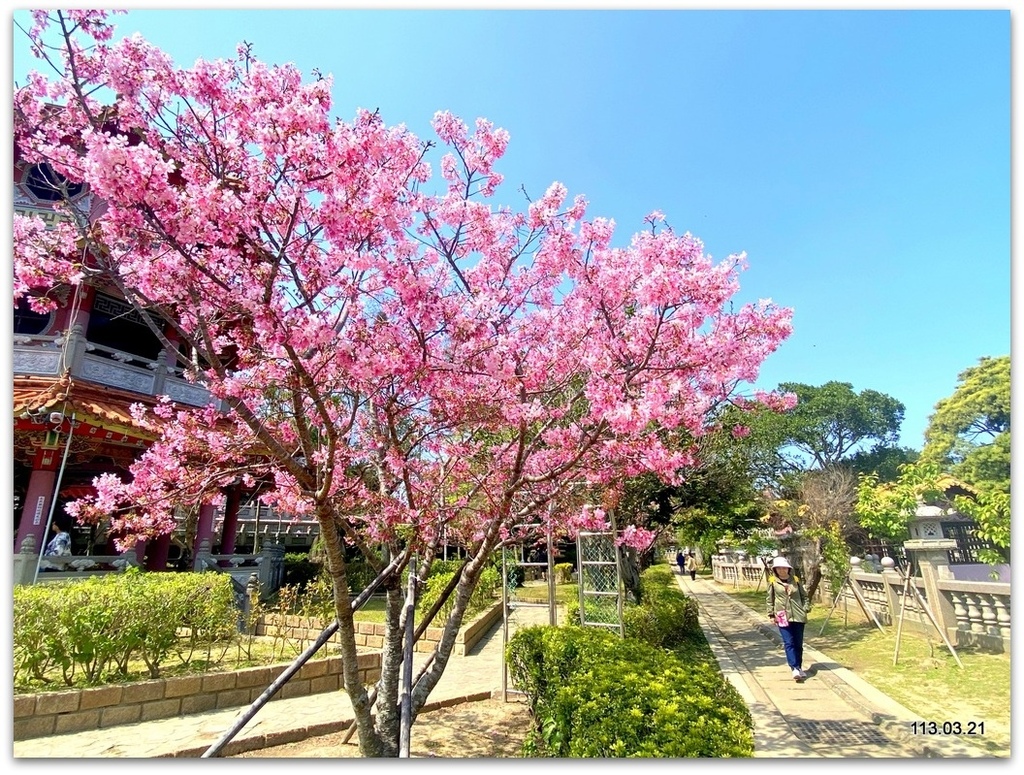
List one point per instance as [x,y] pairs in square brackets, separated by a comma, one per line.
[230,528]
[158,552]
[76,315]
[38,499]
[140,552]
[204,528]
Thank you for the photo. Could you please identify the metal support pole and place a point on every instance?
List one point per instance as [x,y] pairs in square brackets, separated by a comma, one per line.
[405,727]
[504,624]
[53,501]
[296,665]
[618,572]
[551,569]
[580,580]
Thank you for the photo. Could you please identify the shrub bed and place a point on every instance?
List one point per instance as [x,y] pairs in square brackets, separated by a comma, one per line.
[594,694]
[88,631]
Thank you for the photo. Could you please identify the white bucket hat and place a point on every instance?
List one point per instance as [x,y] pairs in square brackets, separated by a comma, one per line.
[781,562]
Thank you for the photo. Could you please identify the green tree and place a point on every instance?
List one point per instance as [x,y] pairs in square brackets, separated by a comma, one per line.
[991,511]
[717,494]
[883,462]
[808,458]
[884,509]
[829,424]
[827,499]
[969,432]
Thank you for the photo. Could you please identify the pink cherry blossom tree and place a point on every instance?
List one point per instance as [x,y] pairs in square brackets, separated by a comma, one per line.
[397,355]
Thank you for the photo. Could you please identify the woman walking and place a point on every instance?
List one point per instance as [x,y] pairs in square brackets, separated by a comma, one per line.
[691,566]
[788,607]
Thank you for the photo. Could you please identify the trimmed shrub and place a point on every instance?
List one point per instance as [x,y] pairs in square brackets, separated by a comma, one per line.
[666,616]
[299,570]
[595,695]
[563,572]
[359,574]
[87,631]
[483,596]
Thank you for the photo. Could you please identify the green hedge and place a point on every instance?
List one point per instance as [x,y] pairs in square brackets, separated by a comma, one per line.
[483,596]
[563,572]
[299,570]
[89,631]
[315,599]
[594,694]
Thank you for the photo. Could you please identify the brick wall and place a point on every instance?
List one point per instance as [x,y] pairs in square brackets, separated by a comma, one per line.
[79,710]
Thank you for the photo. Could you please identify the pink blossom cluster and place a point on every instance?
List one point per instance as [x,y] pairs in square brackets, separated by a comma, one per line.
[779,402]
[638,538]
[386,348]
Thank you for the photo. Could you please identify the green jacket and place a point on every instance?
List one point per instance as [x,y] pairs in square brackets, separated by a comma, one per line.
[790,596]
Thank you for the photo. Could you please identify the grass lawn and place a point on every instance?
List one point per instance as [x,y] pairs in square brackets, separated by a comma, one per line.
[925,679]
[372,611]
[537,592]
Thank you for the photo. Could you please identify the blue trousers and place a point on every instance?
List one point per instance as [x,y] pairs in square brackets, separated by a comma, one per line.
[793,643]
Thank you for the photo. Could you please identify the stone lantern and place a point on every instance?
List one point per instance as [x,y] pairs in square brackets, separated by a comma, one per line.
[925,524]
[927,540]
[929,550]
[928,521]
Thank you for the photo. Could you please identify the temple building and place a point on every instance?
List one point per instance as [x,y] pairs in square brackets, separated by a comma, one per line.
[76,372]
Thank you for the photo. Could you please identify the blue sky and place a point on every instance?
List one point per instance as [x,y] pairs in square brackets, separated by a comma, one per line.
[861,158]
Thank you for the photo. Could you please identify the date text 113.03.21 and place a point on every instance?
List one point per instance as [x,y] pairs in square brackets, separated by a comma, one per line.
[947,727]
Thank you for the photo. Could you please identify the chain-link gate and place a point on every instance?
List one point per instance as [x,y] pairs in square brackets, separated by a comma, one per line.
[600,580]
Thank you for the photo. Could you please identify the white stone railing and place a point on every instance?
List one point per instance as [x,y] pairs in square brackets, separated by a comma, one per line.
[874,591]
[37,355]
[982,610]
[737,571]
[108,366]
[268,566]
[48,356]
[969,612]
[55,568]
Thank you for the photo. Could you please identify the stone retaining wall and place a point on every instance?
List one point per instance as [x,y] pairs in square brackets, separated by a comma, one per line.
[79,710]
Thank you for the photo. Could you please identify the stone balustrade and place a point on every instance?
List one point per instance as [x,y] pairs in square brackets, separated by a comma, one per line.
[53,568]
[970,613]
[728,569]
[982,611]
[48,356]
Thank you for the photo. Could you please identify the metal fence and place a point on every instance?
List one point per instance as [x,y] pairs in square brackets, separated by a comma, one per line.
[600,580]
